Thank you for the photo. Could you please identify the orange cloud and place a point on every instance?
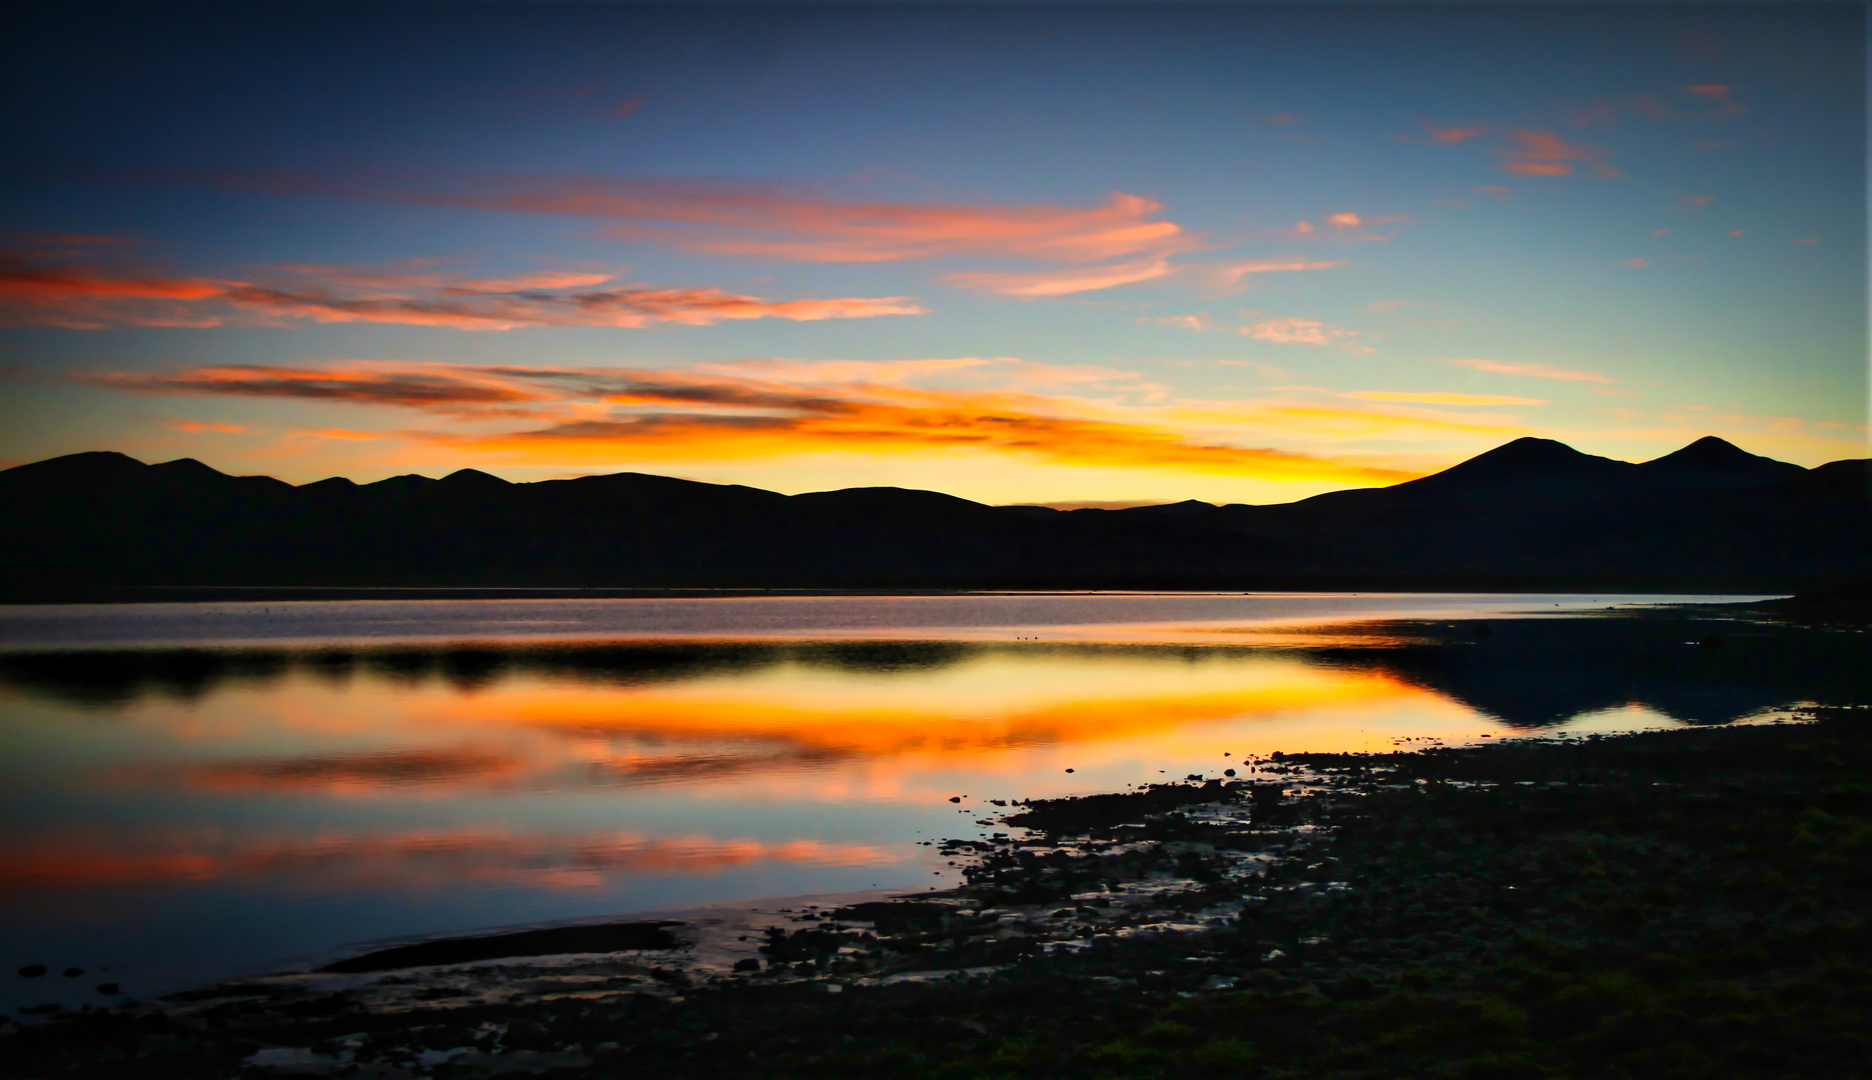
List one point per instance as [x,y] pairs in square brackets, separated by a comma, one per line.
[41,285]
[1532,370]
[89,298]
[193,427]
[1344,220]
[739,412]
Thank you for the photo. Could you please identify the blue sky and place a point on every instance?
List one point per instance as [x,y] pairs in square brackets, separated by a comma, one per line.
[1024,253]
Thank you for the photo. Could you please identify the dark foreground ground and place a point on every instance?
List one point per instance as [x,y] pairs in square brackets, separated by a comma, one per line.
[1688,903]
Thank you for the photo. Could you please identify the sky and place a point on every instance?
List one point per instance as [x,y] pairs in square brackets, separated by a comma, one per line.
[1102,254]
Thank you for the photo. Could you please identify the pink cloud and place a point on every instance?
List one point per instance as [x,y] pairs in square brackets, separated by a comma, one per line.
[1062,282]
[1453,135]
[1231,275]
[1292,331]
[1344,220]
[1542,153]
[1655,233]
[1531,370]
[769,222]
[1187,322]
[629,108]
[1720,95]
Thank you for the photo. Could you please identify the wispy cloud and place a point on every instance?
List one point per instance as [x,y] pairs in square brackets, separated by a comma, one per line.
[1295,331]
[1228,276]
[776,408]
[1718,95]
[1454,134]
[1440,398]
[1542,153]
[778,221]
[39,291]
[1063,282]
[1531,370]
[194,427]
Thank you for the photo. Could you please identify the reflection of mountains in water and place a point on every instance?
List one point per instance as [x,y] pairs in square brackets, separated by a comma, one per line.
[1529,673]
[1534,673]
[106,680]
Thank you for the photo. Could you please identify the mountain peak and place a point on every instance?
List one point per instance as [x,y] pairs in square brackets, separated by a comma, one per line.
[473,478]
[1711,460]
[1712,454]
[1543,463]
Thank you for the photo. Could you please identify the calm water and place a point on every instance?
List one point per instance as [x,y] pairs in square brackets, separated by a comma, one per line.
[191,790]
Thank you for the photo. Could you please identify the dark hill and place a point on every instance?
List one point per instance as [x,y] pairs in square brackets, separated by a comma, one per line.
[1532,513]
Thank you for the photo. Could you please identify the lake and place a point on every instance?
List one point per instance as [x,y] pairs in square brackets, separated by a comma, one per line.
[190,791]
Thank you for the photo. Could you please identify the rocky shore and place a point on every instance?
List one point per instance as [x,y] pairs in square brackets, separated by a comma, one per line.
[1683,903]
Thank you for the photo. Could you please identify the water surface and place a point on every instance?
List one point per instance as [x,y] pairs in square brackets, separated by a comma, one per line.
[189,790]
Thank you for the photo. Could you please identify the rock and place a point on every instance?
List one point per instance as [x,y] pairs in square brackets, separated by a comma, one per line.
[109,988]
[72,973]
[32,971]
[750,964]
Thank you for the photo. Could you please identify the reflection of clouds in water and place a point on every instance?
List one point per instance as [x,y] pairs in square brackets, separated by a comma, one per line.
[413,861]
[339,773]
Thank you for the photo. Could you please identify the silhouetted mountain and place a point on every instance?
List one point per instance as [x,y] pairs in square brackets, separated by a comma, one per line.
[1532,512]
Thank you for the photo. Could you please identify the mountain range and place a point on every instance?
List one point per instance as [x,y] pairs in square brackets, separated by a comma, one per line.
[1531,513]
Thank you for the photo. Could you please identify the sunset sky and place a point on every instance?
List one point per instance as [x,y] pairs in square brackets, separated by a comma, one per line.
[1039,253]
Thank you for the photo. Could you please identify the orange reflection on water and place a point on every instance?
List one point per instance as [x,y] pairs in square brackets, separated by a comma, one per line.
[795,727]
[979,707]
